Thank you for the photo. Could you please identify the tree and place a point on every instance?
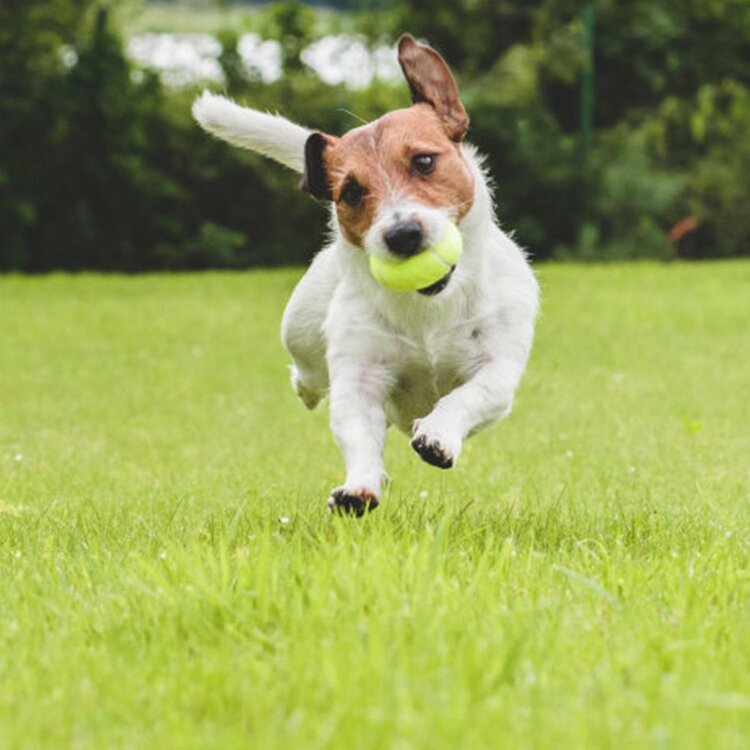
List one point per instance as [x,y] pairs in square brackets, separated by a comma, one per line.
[35,37]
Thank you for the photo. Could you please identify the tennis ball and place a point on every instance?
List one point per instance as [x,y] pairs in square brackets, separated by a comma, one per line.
[421,270]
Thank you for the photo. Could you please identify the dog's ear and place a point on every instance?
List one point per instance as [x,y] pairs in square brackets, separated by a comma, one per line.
[315,178]
[430,80]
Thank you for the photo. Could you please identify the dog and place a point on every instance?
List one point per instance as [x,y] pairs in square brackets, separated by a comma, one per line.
[439,363]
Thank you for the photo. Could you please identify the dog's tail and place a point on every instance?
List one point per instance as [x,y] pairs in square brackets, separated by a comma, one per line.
[270,135]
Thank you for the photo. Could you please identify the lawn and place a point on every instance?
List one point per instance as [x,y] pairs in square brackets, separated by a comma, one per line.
[169,577]
[206,17]
[184,18]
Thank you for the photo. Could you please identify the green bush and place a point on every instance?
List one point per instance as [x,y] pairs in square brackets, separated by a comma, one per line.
[634,204]
[101,166]
[718,192]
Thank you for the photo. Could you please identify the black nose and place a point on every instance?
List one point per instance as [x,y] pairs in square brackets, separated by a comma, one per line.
[404,239]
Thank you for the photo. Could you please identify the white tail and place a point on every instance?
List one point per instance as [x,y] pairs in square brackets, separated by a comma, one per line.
[271,135]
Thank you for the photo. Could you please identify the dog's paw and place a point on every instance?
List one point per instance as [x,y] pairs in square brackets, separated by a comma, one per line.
[433,452]
[349,502]
[435,447]
[310,397]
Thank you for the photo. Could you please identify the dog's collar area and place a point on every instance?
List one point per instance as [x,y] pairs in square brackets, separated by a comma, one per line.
[438,286]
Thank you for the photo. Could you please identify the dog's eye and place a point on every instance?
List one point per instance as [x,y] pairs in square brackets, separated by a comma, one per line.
[424,163]
[352,193]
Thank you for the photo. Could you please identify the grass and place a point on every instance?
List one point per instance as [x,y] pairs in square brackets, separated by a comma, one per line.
[206,17]
[580,580]
[198,17]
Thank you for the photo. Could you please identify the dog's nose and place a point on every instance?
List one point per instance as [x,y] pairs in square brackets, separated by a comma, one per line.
[404,239]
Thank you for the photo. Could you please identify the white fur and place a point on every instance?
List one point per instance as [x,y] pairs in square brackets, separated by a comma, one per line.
[439,368]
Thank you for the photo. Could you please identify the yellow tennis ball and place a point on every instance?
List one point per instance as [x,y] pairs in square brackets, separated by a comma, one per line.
[421,270]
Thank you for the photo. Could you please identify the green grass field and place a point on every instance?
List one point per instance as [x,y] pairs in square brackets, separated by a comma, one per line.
[207,17]
[144,16]
[580,580]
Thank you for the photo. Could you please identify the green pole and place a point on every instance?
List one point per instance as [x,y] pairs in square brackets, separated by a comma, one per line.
[587,80]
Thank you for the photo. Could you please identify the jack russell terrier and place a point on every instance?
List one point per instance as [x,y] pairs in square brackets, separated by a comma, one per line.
[440,363]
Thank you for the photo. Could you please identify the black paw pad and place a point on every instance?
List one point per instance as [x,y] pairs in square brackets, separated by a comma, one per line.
[348,504]
[432,452]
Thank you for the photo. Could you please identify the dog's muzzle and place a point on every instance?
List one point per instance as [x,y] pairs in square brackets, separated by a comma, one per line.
[405,238]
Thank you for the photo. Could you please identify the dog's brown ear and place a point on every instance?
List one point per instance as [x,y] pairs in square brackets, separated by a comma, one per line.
[430,80]
[315,178]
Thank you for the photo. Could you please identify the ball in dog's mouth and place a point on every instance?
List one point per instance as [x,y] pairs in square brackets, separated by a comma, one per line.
[438,286]
[427,271]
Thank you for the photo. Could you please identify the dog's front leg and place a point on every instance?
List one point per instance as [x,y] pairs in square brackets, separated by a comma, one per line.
[483,399]
[358,422]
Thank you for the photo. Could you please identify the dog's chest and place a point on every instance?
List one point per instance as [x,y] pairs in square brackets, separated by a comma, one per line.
[430,366]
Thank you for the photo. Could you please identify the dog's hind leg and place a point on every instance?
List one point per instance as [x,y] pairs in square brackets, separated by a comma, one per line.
[302,329]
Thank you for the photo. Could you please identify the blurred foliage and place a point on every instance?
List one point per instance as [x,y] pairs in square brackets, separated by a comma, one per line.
[102,167]
[292,25]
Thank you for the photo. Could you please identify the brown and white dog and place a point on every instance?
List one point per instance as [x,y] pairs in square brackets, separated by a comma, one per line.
[440,363]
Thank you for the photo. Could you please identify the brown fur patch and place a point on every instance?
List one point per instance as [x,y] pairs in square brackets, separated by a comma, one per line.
[430,80]
[379,156]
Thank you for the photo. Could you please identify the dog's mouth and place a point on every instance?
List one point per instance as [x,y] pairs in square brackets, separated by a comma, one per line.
[438,286]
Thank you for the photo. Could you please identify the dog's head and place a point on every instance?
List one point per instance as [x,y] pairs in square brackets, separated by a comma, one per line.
[397,182]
